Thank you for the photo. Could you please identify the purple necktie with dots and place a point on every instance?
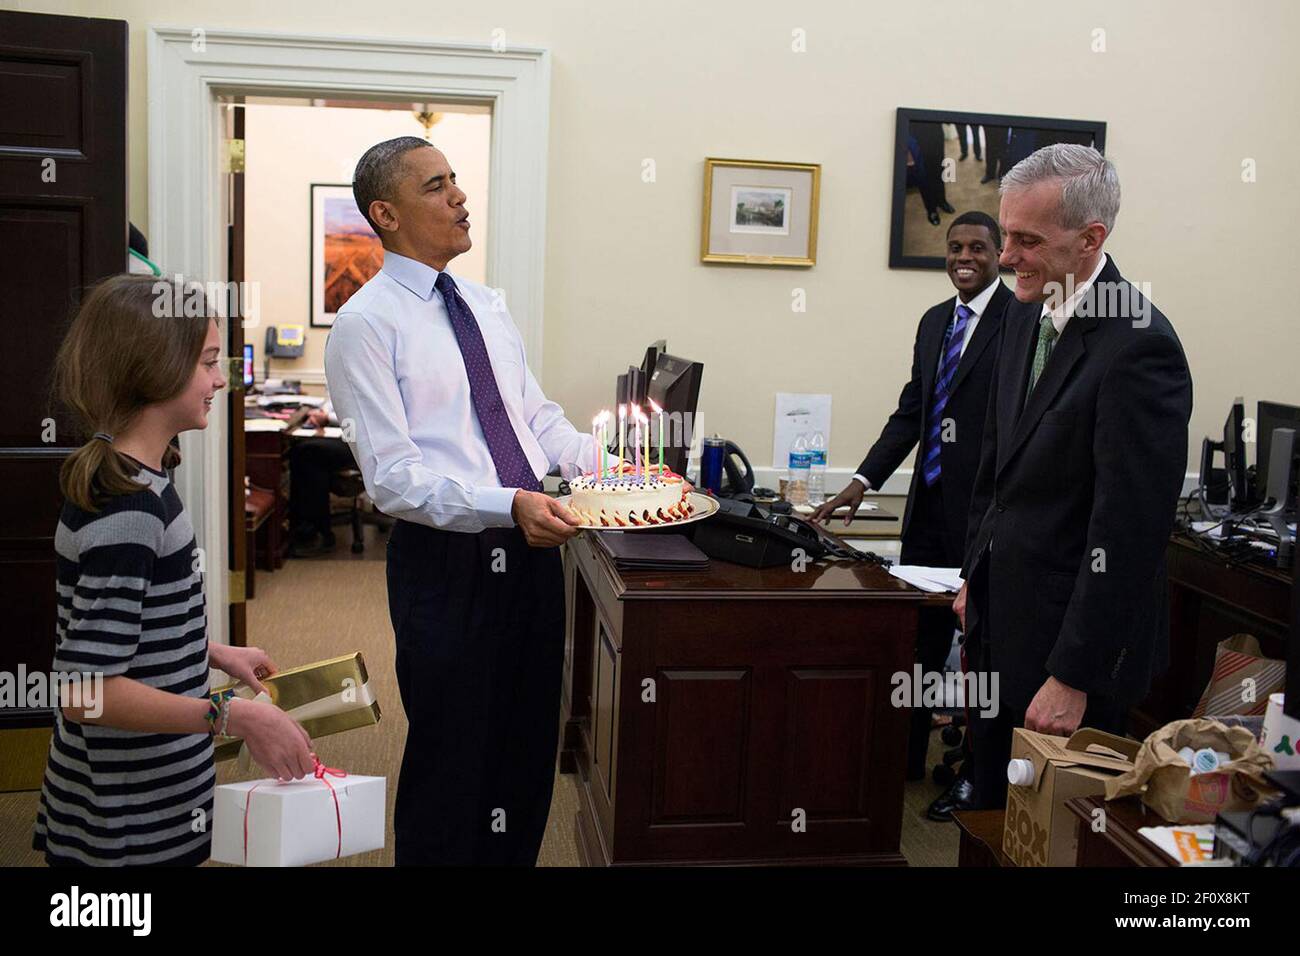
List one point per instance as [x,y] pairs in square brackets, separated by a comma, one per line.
[507,454]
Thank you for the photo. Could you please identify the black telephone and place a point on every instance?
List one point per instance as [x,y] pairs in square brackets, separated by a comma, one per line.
[734,481]
[745,533]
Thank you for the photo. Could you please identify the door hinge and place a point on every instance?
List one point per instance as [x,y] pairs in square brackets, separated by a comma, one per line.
[237,594]
[235,375]
[232,157]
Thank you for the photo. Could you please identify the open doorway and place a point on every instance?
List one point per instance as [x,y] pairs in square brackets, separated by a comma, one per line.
[300,248]
[190,71]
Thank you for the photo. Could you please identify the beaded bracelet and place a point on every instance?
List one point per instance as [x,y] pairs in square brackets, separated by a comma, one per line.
[217,704]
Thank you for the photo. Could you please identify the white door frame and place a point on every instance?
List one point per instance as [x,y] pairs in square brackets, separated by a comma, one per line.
[189,68]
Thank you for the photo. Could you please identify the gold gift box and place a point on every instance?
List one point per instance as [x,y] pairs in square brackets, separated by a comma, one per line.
[308,685]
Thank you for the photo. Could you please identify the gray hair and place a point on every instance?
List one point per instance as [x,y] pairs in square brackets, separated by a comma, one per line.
[1089,183]
[377,171]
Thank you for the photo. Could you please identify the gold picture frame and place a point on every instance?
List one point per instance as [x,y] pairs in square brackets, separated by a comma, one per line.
[759,213]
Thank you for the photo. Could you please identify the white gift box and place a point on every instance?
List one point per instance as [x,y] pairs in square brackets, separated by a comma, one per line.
[297,823]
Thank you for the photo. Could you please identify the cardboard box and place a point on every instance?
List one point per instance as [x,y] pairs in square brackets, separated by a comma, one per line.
[1039,830]
[297,823]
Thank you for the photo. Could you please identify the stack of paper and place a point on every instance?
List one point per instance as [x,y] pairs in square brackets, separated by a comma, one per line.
[934,580]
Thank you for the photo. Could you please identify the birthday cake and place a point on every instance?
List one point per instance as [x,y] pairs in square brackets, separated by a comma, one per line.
[630,499]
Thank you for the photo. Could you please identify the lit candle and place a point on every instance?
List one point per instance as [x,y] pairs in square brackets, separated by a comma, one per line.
[604,441]
[622,431]
[645,478]
[636,443]
[660,412]
[595,440]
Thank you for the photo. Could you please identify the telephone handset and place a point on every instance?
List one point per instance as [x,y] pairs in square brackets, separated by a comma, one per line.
[734,481]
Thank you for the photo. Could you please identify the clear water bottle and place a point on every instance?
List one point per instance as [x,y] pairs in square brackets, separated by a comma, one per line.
[796,489]
[817,471]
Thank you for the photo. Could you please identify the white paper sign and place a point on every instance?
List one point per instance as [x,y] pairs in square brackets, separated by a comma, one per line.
[797,414]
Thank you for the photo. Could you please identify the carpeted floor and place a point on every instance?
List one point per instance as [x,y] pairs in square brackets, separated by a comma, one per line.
[319,608]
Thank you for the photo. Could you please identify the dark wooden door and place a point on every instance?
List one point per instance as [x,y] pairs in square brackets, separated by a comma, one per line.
[63,225]
[235,454]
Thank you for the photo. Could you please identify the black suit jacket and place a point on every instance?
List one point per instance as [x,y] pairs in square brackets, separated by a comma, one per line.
[967,403]
[1075,499]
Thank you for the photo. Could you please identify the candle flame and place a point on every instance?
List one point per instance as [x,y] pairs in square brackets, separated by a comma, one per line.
[622,411]
[657,409]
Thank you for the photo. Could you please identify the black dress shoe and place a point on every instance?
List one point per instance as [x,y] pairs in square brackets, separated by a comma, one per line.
[312,546]
[947,207]
[987,179]
[933,217]
[960,796]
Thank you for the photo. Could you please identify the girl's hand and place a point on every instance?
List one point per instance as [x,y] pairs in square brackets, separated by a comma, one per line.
[246,664]
[275,740]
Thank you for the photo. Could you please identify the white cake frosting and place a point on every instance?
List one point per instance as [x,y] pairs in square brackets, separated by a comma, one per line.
[629,501]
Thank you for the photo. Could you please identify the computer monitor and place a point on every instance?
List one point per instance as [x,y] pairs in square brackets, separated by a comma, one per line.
[675,387]
[1234,457]
[1271,416]
[248,365]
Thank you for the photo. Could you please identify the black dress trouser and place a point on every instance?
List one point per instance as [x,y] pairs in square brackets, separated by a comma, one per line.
[990,736]
[312,464]
[927,543]
[479,623]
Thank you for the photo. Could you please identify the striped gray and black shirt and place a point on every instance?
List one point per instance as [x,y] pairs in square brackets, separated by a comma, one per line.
[130,600]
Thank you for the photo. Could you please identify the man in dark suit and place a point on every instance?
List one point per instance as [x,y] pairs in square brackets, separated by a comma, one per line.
[941,409]
[1085,448]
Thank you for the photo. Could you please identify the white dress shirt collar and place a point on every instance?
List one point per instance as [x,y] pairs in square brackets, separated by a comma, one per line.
[411,273]
[979,303]
[1062,313]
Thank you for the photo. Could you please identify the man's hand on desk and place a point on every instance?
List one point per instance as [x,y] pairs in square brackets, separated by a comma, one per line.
[1056,709]
[544,521]
[317,418]
[851,496]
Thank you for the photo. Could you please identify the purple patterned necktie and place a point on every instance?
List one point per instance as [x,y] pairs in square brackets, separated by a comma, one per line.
[507,454]
[952,343]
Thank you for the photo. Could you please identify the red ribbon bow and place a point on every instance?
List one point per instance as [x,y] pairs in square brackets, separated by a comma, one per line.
[319,771]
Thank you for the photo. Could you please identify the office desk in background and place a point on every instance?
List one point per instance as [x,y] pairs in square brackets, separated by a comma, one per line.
[267,468]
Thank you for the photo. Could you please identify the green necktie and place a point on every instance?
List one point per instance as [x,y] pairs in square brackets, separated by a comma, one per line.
[1046,338]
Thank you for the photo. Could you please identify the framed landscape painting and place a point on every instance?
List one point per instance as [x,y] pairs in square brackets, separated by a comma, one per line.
[345,252]
[760,213]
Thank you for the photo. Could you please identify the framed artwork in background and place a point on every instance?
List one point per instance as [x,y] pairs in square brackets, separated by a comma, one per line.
[345,252]
[947,163]
[759,213]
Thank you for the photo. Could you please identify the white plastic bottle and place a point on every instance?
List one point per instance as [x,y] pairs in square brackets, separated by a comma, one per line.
[817,470]
[796,489]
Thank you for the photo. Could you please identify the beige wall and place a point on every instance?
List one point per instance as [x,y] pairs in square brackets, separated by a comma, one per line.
[1188,89]
[290,147]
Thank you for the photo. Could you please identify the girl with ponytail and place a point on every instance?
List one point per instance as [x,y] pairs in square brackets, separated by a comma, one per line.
[129,777]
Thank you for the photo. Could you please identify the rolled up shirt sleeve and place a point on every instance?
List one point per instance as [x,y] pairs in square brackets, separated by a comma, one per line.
[360,370]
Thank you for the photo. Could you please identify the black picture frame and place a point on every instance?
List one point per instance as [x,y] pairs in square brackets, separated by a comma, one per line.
[1073,130]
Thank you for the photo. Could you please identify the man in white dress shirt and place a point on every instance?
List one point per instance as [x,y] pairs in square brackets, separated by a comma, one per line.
[453,435]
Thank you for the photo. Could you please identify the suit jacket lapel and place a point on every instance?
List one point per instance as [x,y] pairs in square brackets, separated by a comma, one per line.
[985,331]
[930,348]
[1068,351]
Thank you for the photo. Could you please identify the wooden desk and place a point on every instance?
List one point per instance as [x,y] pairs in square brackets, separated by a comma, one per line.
[981,838]
[1119,844]
[771,695]
[266,467]
[1210,599]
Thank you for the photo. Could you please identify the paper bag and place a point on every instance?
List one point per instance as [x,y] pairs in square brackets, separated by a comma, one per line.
[1237,661]
[1168,786]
